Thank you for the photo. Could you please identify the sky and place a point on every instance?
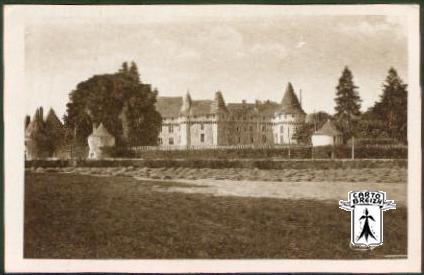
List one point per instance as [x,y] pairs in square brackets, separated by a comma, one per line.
[247,57]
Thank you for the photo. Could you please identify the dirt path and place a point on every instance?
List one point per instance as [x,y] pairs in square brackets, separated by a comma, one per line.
[288,190]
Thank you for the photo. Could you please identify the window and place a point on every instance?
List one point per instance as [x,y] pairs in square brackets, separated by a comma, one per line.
[281,129]
[171,141]
[263,128]
[239,140]
[202,137]
[160,141]
[252,140]
[202,126]
[250,128]
[238,129]
[263,138]
[171,128]
[281,139]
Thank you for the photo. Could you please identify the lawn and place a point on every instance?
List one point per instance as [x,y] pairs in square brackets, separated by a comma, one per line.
[89,217]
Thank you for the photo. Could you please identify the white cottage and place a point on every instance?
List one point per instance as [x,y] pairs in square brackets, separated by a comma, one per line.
[98,139]
[328,134]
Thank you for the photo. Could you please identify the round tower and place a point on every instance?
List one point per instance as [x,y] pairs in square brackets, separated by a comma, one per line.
[290,117]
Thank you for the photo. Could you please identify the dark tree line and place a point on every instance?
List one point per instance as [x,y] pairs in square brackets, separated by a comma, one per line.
[120,101]
[387,119]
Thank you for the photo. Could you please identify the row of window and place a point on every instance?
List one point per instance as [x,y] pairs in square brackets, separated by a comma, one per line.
[234,117]
[263,128]
[172,118]
[251,128]
[252,140]
[171,128]
[202,127]
[171,140]
[202,139]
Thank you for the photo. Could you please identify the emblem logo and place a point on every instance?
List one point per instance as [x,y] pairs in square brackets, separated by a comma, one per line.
[366,209]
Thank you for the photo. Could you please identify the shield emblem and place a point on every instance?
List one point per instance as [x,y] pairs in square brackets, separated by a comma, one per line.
[366,209]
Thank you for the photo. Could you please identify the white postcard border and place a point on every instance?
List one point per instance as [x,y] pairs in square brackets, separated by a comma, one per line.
[15,18]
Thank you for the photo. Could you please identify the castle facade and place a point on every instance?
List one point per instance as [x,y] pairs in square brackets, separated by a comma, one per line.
[211,123]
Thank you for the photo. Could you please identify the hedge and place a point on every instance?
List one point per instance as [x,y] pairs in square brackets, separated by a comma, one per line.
[246,153]
[297,152]
[202,163]
[361,152]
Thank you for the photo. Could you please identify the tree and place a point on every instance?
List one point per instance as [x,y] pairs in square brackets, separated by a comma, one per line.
[133,72]
[392,108]
[313,122]
[102,98]
[371,127]
[348,104]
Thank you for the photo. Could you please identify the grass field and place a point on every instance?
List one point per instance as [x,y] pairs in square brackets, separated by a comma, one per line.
[89,217]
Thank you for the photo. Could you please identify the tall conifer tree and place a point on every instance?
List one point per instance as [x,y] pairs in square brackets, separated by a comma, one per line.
[348,104]
[392,107]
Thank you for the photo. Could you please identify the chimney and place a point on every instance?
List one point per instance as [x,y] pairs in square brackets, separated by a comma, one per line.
[219,99]
[186,106]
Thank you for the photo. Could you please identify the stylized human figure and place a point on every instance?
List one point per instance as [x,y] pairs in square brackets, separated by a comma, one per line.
[366,231]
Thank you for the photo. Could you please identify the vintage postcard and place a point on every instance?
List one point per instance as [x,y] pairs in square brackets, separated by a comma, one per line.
[212,138]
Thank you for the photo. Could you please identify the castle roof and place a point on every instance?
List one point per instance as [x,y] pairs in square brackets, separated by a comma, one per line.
[202,107]
[169,106]
[328,129]
[267,109]
[52,121]
[173,107]
[290,103]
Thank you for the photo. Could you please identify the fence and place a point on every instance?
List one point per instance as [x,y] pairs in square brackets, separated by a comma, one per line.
[245,152]
[276,151]
[213,147]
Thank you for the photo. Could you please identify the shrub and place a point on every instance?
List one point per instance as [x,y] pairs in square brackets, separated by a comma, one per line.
[118,152]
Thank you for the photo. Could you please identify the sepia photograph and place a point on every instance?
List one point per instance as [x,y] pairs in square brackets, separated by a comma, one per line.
[181,136]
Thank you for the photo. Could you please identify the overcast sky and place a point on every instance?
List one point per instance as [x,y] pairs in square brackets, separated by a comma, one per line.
[246,57]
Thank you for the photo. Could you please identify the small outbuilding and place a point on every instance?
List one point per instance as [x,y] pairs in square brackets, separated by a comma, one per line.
[328,134]
[98,139]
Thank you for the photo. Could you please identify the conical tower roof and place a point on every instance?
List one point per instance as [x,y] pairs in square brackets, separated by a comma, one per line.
[101,131]
[36,125]
[328,129]
[290,102]
[52,121]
